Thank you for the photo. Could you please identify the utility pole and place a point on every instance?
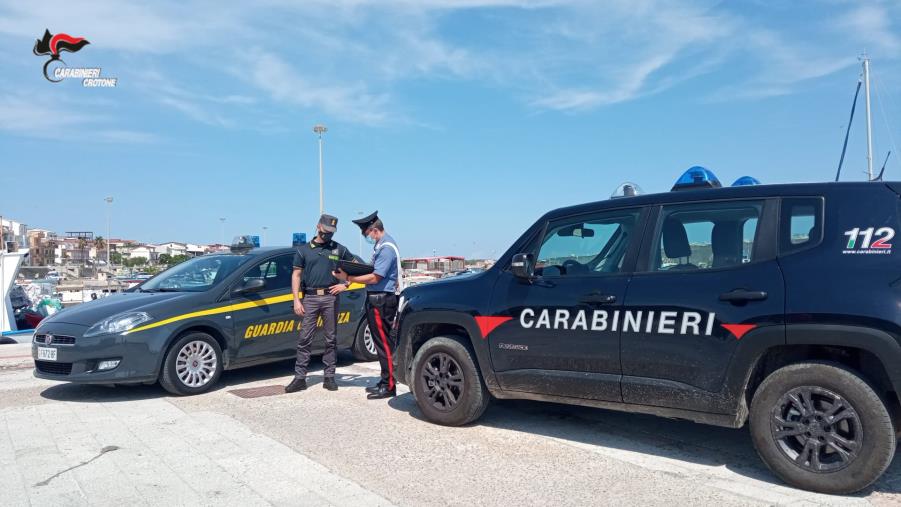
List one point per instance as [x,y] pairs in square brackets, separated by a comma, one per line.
[320,129]
[109,203]
[866,82]
[264,236]
[360,214]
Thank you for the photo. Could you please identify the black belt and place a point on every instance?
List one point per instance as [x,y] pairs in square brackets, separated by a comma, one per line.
[317,291]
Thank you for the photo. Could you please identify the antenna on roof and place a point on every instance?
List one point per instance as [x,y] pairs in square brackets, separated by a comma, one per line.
[882,171]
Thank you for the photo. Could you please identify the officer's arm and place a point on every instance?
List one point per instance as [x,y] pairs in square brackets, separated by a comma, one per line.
[383,261]
[295,282]
[369,279]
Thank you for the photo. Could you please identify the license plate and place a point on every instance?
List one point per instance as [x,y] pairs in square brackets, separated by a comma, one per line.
[46,354]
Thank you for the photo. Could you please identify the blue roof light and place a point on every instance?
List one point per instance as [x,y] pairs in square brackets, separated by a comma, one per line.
[697,177]
[745,181]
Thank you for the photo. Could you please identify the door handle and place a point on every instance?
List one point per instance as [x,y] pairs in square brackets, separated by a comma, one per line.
[596,298]
[743,296]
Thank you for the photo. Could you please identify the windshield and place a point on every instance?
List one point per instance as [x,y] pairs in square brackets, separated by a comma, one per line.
[195,275]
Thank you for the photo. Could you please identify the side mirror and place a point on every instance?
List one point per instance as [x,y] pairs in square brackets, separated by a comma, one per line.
[250,285]
[523,266]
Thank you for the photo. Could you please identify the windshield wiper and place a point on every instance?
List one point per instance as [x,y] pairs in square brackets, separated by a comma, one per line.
[168,289]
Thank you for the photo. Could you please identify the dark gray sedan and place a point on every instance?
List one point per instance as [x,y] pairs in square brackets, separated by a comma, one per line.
[186,325]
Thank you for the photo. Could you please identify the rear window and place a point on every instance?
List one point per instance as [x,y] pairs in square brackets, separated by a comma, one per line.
[801,224]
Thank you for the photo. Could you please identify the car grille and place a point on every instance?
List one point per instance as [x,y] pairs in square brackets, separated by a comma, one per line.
[53,368]
[54,339]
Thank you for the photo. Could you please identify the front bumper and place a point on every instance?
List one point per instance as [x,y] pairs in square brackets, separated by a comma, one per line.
[77,357]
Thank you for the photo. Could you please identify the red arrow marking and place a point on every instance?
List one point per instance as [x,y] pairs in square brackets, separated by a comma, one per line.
[739,330]
[488,324]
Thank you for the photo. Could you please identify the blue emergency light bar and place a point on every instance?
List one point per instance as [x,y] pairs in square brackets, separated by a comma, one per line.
[697,177]
[745,181]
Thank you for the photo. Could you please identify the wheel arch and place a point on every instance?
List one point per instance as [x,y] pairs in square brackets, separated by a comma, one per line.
[201,327]
[872,354]
[419,327]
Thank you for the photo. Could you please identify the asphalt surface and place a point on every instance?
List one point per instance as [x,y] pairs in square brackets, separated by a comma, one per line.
[337,448]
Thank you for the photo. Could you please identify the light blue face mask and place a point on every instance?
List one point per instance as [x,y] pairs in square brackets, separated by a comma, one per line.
[370,240]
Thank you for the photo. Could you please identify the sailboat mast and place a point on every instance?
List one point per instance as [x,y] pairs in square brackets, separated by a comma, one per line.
[866,81]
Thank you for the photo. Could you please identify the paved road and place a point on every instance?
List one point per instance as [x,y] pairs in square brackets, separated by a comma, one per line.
[64,444]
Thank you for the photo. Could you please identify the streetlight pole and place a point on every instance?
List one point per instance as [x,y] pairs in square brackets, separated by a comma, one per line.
[222,230]
[320,129]
[360,214]
[109,203]
[264,235]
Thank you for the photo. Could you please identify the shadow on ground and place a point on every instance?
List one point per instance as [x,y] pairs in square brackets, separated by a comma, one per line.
[280,372]
[666,438]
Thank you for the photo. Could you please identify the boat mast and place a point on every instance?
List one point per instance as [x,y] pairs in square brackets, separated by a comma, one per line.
[866,81]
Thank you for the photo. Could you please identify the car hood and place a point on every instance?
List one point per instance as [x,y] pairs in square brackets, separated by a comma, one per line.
[88,314]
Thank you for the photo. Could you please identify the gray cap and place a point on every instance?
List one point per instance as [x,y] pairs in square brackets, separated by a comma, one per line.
[328,222]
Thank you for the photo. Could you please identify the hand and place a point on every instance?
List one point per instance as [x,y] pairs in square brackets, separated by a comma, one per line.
[340,274]
[298,308]
[336,289]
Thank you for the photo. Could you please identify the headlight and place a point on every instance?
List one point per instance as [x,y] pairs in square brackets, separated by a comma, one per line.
[118,323]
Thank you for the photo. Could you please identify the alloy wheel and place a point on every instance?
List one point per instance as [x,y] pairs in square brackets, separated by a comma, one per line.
[817,429]
[443,380]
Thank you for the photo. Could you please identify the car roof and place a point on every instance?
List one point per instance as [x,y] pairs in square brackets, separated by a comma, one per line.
[259,251]
[725,193]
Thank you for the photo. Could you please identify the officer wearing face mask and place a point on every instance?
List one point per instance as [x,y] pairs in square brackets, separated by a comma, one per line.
[383,286]
[314,263]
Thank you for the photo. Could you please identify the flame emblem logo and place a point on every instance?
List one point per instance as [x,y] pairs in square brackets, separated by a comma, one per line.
[52,45]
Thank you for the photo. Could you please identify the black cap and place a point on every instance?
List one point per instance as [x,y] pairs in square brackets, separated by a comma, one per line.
[367,221]
[328,222]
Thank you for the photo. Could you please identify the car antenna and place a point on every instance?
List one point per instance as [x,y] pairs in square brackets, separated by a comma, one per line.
[882,171]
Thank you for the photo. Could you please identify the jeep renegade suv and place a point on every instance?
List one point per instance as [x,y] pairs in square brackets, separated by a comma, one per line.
[775,305]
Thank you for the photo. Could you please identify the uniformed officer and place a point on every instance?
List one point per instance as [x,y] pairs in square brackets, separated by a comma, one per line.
[382,288]
[314,263]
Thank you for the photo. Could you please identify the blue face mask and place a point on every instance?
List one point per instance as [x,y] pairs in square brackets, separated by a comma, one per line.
[370,240]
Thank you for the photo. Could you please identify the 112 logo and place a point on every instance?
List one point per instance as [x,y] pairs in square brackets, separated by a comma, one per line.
[883,236]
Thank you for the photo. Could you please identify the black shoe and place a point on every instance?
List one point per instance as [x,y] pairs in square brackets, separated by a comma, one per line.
[382,393]
[375,388]
[298,384]
[330,384]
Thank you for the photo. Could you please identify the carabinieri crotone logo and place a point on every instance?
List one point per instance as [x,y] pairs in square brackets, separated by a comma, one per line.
[55,69]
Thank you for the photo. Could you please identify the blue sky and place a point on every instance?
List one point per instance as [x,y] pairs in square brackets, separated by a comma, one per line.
[461,121]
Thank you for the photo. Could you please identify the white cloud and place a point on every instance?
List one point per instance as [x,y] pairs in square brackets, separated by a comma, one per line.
[347,59]
[871,24]
[351,102]
[58,121]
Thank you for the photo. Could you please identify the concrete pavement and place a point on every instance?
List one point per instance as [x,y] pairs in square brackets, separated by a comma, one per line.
[63,444]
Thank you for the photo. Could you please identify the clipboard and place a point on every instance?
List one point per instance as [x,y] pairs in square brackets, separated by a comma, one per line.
[355,268]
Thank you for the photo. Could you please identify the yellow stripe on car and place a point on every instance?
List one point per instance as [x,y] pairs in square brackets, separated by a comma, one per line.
[283,298]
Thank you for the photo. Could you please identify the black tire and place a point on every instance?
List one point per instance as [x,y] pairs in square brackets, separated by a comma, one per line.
[177,378]
[457,399]
[848,450]
[363,349]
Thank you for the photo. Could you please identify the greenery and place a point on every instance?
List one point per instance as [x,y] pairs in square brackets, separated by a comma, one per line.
[171,260]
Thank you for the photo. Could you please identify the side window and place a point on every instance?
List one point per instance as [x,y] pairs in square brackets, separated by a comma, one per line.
[276,273]
[801,223]
[587,245]
[706,236]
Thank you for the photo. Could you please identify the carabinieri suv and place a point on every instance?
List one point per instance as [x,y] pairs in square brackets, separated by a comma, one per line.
[772,305]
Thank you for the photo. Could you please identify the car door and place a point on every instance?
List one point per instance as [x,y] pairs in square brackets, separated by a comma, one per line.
[706,280]
[267,326]
[563,339]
